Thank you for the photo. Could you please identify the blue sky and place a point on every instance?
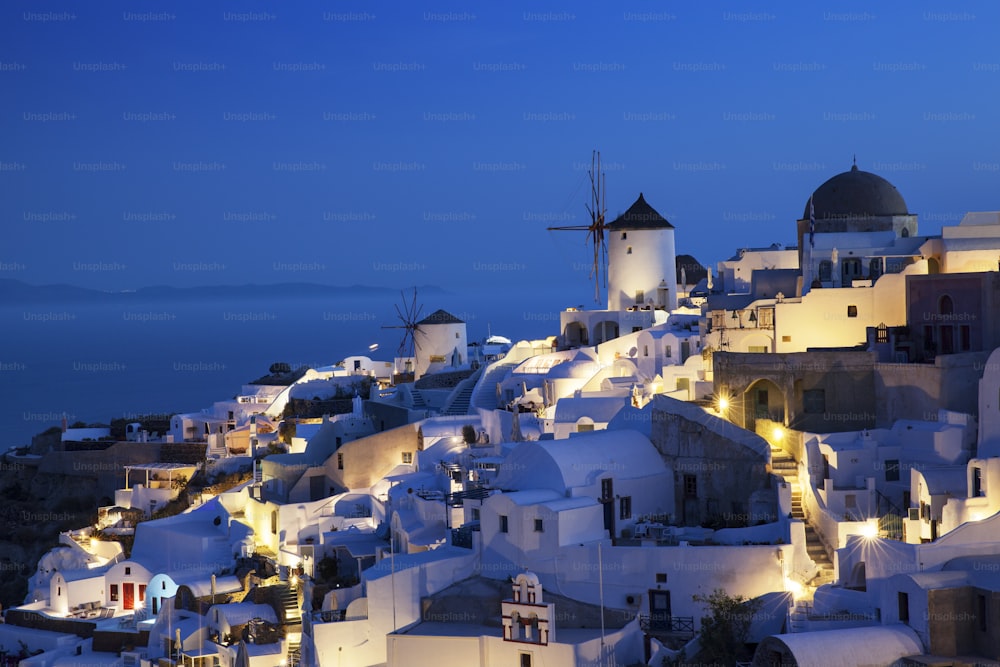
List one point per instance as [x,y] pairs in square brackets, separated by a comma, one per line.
[395,144]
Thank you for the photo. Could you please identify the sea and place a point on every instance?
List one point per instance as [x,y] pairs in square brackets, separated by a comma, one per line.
[128,356]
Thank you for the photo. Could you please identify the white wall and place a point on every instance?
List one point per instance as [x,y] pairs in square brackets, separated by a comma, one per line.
[734,274]
[960,510]
[819,319]
[652,259]
[989,407]
[440,340]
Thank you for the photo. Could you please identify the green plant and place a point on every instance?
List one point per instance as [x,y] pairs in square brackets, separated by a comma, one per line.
[725,629]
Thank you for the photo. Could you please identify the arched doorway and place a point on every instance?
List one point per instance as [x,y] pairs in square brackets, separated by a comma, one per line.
[576,335]
[763,399]
[605,330]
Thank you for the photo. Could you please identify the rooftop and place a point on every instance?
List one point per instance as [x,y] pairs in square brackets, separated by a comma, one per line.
[640,215]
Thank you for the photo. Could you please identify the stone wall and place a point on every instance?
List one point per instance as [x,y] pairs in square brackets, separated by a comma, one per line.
[716,467]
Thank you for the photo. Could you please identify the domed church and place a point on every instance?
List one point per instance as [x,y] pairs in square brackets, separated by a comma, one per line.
[852,228]
[858,201]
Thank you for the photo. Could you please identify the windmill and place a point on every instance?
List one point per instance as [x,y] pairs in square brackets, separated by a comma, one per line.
[595,230]
[408,315]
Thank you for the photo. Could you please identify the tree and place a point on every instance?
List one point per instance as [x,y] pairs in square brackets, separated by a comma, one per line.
[286,430]
[724,631]
[469,434]
[328,569]
[279,368]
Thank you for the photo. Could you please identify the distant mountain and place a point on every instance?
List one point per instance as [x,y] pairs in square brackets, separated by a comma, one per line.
[17,292]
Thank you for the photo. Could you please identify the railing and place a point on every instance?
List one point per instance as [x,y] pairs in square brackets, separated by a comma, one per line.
[890,521]
[329,616]
[663,623]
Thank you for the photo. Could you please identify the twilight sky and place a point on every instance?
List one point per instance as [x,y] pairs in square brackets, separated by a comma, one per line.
[192,143]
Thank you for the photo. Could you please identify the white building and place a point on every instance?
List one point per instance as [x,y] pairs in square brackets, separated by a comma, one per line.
[735,273]
[530,636]
[642,266]
[440,343]
[642,280]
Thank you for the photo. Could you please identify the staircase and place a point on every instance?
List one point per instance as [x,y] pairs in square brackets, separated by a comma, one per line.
[485,393]
[294,654]
[290,603]
[418,400]
[783,464]
[798,617]
[289,600]
[461,398]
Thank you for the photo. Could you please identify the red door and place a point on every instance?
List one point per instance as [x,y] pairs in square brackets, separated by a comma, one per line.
[128,595]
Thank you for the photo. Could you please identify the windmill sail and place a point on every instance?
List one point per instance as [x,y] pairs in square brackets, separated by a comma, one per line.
[595,230]
[409,315]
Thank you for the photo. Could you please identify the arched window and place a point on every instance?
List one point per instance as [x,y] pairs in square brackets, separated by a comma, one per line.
[945,305]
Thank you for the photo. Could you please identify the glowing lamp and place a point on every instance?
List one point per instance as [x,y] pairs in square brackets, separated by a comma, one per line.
[870,530]
[795,588]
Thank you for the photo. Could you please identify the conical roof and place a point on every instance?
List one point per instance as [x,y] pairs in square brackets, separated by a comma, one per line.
[440,317]
[640,215]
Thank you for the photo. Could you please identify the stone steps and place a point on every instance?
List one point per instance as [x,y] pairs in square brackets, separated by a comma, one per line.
[784,465]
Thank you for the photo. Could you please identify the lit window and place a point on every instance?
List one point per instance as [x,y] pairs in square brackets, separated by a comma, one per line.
[407,457]
[628,251]
[114,593]
[786,339]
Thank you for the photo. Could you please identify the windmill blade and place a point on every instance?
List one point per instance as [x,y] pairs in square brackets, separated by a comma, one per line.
[408,315]
[572,228]
[595,230]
